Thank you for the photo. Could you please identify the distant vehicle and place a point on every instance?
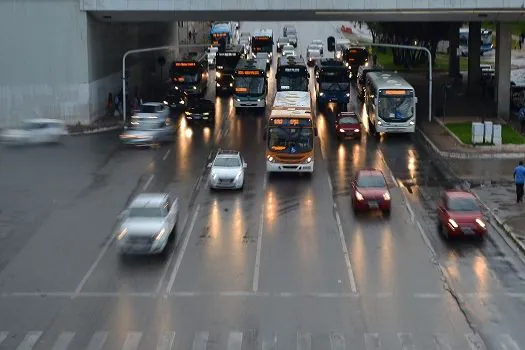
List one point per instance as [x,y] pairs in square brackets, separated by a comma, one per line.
[361,79]
[340,45]
[250,84]
[282,42]
[262,56]
[35,131]
[318,43]
[227,60]
[346,125]
[313,54]
[227,170]
[332,83]
[390,103]
[292,74]
[211,53]
[289,29]
[355,57]
[152,110]
[176,98]
[245,40]
[288,50]
[148,131]
[190,75]
[486,41]
[262,41]
[200,110]
[370,192]
[293,39]
[148,224]
[221,30]
[460,215]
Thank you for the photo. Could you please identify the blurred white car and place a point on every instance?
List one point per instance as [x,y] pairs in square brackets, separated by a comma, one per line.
[212,54]
[318,43]
[227,170]
[313,54]
[35,131]
[288,50]
[292,38]
[147,224]
[152,110]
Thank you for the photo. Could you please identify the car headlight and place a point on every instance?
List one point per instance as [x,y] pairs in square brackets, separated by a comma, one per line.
[159,235]
[347,94]
[182,102]
[238,176]
[386,196]
[356,130]
[218,74]
[481,223]
[341,130]
[259,100]
[359,196]
[176,87]
[321,94]
[218,85]
[187,113]
[205,113]
[214,176]
[238,99]
[122,234]
[453,223]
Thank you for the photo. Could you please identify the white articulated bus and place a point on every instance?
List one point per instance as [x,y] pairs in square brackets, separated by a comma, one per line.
[390,103]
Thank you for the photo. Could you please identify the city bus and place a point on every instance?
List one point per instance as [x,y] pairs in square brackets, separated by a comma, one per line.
[190,76]
[262,41]
[355,57]
[390,103]
[290,133]
[226,61]
[332,83]
[486,41]
[250,84]
[221,30]
[292,74]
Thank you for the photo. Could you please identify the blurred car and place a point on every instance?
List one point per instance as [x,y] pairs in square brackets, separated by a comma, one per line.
[227,170]
[318,43]
[292,38]
[200,109]
[288,50]
[289,29]
[152,110]
[282,42]
[347,124]
[460,215]
[370,192]
[264,57]
[144,132]
[148,224]
[211,53]
[313,55]
[176,98]
[35,131]
[245,40]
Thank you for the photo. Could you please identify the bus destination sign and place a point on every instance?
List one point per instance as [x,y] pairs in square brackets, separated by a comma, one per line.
[396,92]
[185,64]
[249,72]
[291,122]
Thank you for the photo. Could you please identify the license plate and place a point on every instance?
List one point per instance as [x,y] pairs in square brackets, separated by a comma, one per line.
[467,231]
[373,204]
[197,117]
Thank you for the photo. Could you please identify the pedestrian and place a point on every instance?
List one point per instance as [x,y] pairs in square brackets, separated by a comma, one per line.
[519,180]
[521,118]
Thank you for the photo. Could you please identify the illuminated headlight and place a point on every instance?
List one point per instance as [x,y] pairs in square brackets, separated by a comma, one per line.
[122,234]
[259,100]
[359,196]
[379,122]
[307,160]
[481,223]
[356,130]
[218,85]
[270,159]
[366,64]
[231,84]
[347,94]
[218,74]
[187,113]
[321,94]
[238,99]
[181,102]
[386,196]
[159,235]
[267,61]
[453,223]
[219,67]
[214,176]
[194,88]
[411,122]
[176,87]
[341,130]
[206,113]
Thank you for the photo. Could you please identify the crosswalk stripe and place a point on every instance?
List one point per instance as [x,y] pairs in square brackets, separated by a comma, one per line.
[29,341]
[166,341]
[406,341]
[97,341]
[441,342]
[132,341]
[200,342]
[304,341]
[337,341]
[235,341]
[63,341]
[3,335]
[372,341]
[269,344]
[508,343]
[475,342]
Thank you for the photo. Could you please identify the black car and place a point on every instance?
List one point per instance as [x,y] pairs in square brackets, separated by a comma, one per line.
[200,110]
[176,98]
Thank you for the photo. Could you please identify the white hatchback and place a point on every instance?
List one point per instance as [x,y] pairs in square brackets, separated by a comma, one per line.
[227,170]
[35,131]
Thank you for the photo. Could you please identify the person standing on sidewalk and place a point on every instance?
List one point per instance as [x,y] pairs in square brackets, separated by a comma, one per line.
[521,118]
[519,179]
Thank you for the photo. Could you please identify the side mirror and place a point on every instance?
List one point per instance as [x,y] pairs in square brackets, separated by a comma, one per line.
[209,165]
[244,165]
[415,100]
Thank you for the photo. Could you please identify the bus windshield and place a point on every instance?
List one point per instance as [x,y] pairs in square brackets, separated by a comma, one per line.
[290,140]
[292,82]
[395,108]
[356,57]
[249,85]
[227,62]
[186,76]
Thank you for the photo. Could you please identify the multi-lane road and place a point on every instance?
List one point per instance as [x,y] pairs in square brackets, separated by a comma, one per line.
[283,264]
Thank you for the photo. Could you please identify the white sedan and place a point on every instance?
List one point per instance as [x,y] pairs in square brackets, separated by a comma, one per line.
[288,50]
[35,131]
[227,170]
[151,110]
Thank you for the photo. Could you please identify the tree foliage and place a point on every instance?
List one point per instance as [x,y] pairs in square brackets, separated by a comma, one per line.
[427,34]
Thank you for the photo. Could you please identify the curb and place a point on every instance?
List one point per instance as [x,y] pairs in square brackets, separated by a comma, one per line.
[96,131]
[463,155]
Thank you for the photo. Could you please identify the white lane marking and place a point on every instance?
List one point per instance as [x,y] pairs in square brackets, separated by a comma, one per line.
[165,341]
[166,155]
[337,341]
[441,342]
[508,343]
[255,285]
[132,341]
[146,185]
[304,341]
[406,341]
[428,295]
[372,341]
[265,182]
[200,341]
[63,341]
[3,335]
[198,185]
[410,211]
[426,239]
[235,341]
[29,341]
[183,249]
[475,342]
[351,277]
[394,180]
[330,184]
[97,341]
[94,265]
[323,154]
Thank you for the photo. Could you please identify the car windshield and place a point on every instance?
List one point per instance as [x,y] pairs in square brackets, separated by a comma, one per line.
[395,108]
[227,162]
[348,120]
[148,125]
[149,109]
[290,140]
[249,85]
[371,181]
[462,204]
[145,212]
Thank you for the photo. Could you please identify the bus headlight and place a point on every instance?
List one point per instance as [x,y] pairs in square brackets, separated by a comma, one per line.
[411,122]
[347,94]
[270,159]
[218,74]
[307,160]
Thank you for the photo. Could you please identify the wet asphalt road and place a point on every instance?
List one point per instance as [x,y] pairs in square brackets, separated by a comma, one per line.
[283,264]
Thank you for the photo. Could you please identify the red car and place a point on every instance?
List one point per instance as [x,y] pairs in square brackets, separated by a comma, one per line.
[460,215]
[370,192]
[347,124]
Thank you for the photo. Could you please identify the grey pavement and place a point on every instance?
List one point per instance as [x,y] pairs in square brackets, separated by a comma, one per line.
[283,264]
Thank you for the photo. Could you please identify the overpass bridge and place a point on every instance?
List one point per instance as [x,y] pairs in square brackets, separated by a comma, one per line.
[60,58]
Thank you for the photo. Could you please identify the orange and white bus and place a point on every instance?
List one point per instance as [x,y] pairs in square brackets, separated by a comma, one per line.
[290,133]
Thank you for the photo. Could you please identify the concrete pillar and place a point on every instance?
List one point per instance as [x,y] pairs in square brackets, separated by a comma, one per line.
[503,61]
[474,52]
[453,39]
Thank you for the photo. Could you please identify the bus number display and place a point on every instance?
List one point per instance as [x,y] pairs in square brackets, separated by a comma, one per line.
[185,64]
[249,72]
[220,35]
[290,122]
[262,38]
[241,89]
[396,92]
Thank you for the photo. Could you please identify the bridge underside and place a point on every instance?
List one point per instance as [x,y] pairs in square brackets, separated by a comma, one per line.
[434,15]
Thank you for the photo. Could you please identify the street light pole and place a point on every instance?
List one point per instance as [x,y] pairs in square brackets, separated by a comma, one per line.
[429,54]
[148,49]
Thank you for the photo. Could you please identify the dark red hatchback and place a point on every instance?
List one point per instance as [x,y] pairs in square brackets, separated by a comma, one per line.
[347,124]
[370,192]
[460,215]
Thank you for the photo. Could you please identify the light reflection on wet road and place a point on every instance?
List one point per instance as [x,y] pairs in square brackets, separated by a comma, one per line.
[268,261]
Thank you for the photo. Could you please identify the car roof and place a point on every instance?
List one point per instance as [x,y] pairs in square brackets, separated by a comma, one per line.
[459,194]
[228,153]
[44,120]
[369,172]
[149,200]
[152,104]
